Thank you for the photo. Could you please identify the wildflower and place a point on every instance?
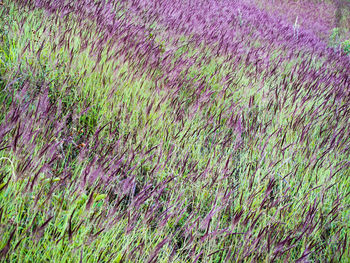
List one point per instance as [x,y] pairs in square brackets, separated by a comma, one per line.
[81,145]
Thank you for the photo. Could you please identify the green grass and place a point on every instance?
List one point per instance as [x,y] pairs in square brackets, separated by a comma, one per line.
[83,230]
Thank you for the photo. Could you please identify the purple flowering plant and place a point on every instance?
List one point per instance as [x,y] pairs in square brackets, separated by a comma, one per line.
[173,131]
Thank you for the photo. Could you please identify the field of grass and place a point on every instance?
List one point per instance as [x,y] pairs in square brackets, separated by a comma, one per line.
[174,131]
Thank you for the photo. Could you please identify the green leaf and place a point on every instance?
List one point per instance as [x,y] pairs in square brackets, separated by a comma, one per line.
[100,197]
[2,186]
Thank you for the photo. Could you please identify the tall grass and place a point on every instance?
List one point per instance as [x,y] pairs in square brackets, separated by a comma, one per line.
[170,131]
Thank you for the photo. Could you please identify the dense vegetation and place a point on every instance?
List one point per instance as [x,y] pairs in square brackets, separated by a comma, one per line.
[174,131]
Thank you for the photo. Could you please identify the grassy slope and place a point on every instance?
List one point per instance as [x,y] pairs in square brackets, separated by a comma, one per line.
[311,199]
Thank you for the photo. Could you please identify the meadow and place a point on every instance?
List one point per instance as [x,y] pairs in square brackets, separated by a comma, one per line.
[174,131]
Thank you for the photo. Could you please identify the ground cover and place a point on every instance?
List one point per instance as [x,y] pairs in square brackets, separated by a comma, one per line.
[171,131]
